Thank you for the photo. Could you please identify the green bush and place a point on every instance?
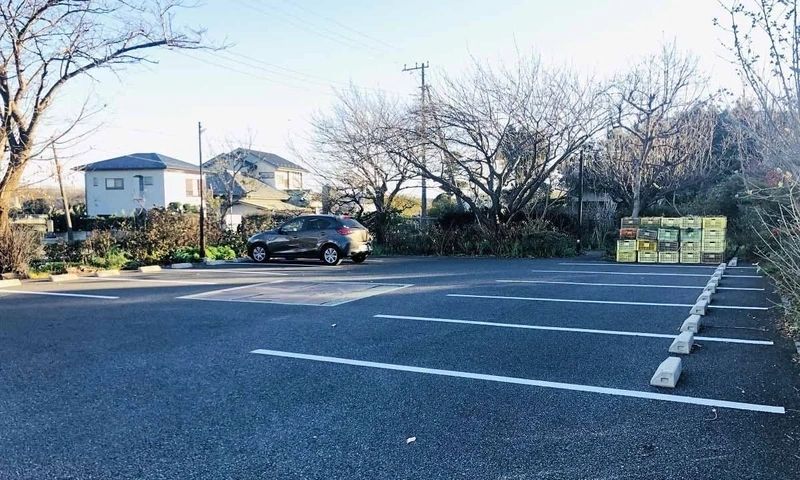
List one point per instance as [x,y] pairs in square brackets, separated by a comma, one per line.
[192,254]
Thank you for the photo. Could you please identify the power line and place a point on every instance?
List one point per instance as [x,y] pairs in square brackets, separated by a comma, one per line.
[377,40]
[318,30]
[249,74]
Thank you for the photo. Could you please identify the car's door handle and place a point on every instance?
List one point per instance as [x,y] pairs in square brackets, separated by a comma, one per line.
[322,234]
[294,237]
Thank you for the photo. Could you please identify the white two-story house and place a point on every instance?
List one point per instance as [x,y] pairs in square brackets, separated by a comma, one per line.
[140,181]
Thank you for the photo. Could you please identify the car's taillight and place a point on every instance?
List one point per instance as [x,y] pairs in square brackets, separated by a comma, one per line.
[344,230]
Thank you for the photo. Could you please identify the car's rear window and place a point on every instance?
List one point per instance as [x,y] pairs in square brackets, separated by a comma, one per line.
[350,223]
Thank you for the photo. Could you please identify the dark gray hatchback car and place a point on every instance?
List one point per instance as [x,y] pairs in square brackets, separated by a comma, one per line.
[330,238]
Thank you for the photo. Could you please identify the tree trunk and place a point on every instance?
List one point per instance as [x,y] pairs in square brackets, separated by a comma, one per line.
[637,188]
[9,186]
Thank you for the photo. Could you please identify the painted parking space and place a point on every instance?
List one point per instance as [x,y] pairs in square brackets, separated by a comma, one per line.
[498,377]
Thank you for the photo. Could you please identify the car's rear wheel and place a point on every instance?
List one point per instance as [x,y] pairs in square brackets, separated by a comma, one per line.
[331,255]
[259,253]
[359,258]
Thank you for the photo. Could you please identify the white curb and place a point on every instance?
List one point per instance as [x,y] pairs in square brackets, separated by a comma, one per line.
[14,282]
[66,277]
[692,324]
[181,265]
[682,343]
[106,273]
[668,373]
[150,269]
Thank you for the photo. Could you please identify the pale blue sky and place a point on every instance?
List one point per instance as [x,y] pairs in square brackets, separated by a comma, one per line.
[157,107]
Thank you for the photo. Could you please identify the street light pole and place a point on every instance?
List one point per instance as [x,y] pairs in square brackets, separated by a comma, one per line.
[580,202]
[202,200]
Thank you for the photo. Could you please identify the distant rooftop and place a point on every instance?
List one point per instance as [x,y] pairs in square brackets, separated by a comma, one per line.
[139,161]
[250,156]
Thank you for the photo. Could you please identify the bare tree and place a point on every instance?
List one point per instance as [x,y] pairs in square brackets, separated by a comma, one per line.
[229,174]
[653,118]
[770,163]
[678,161]
[45,44]
[495,136]
[352,153]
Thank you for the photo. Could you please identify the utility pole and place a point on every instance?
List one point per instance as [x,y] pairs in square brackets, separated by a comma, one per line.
[421,68]
[202,201]
[64,198]
[580,202]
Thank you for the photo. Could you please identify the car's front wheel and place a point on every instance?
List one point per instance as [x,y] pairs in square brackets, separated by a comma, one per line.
[359,258]
[331,255]
[259,253]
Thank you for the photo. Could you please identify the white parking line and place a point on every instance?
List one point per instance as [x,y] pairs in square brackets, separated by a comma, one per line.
[604,302]
[245,271]
[643,273]
[574,330]
[698,287]
[662,265]
[54,294]
[708,402]
[148,280]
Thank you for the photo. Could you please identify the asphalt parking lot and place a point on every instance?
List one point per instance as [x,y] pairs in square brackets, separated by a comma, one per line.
[420,368]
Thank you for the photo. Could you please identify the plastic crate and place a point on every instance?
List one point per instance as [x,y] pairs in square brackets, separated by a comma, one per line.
[628,232]
[695,234]
[671,222]
[668,246]
[690,257]
[668,234]
[628,222]
[713,234]
[648,257]
[647,245]
[668,257]
[647,233]
[626,257]
[691,222]
[712,258]
[713,246]
[690,246]
[626,245]
[650,222]
[715,222]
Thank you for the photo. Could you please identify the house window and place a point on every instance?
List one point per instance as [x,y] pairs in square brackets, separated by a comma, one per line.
[282,180]
[267,175]
[295,180]
[95,182]
[148,181]
[192,187]
[115,184]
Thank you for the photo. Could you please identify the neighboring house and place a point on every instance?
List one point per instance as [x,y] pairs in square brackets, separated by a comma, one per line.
[269,168]
[248,196]
[124,185]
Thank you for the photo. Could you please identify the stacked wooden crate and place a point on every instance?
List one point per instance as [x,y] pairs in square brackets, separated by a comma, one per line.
[713,240]
[672,240]
[691,237]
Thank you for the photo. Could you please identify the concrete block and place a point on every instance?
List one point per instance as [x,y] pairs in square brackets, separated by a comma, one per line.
[714,281]
[704,297]
[214,262]
[699,308]
[692,324]
[63,278]
[682,343]
[722,266]
[717,277]
[8,276]
[106,273]
[733,262]
[668,373]
[10,283]
[150,269]
[181,265]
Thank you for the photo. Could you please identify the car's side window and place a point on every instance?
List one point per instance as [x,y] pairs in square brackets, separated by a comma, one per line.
[293,226]
[318,224]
